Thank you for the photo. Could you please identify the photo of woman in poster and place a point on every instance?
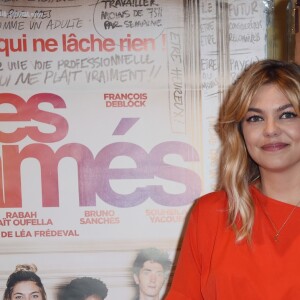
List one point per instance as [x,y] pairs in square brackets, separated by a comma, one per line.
[24,283]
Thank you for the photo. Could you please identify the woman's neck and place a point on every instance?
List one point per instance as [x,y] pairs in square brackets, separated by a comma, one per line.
[281,187]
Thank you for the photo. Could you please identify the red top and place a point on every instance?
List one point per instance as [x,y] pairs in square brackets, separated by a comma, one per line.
[213,266]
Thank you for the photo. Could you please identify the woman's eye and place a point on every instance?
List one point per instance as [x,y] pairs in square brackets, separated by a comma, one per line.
[288,115]
[254,118]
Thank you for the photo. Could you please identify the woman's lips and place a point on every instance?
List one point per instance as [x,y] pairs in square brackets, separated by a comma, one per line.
[274,146]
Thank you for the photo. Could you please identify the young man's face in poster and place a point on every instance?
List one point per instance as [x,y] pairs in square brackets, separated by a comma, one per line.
[150,279]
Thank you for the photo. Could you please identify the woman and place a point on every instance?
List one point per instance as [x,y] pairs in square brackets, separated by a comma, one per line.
[24,284]
[243,241]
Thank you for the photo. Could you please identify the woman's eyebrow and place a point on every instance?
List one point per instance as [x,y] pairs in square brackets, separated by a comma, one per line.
[283,107]
[255,109]
[280,108]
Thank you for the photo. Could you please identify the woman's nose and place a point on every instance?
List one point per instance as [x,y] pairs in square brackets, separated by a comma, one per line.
[272,127]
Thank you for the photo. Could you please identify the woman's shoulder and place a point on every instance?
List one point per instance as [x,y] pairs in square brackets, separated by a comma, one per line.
[213,200]
[209,214]
[211,204]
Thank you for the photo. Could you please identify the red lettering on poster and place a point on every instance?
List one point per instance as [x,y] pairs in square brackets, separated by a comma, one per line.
[94,172]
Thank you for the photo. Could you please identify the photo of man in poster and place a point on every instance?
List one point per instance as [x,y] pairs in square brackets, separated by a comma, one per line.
[150,270]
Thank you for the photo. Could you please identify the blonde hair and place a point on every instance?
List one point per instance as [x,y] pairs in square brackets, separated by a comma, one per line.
[26,267]
[237,169]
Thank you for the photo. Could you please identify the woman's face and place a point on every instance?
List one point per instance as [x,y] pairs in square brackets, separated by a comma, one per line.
[26,290]
[271,130]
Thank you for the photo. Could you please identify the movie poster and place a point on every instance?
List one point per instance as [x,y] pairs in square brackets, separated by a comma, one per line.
[107,112]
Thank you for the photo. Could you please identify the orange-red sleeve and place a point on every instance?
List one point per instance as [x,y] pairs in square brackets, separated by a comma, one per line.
[186,284]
